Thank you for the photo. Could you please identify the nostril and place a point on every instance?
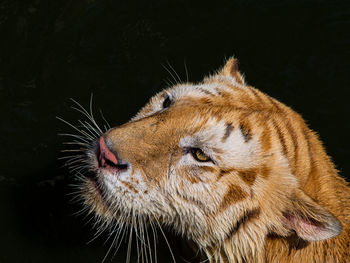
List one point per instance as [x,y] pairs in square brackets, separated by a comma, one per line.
[106,157]
[118,166]
[122,166]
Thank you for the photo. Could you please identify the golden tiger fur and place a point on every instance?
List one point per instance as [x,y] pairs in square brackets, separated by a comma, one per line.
[226,166]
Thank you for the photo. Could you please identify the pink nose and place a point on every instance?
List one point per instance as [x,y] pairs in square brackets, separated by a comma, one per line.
[106,157]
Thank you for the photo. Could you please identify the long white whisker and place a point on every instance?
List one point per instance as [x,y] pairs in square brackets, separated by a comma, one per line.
[92,116]
[71,125]
[143,243]
[179,79]
[148,240]
[74,161]
[93,129]
[130,241]
[71,156]
[170,74]
[82,110]
[186,71]
[113,241]
[91,133]
[121,231]
[155,240]
[104,119]
[84,139]
[166,240]
[76,143]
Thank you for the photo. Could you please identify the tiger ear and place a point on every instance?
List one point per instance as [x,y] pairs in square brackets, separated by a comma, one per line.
[309,220]
[231,70]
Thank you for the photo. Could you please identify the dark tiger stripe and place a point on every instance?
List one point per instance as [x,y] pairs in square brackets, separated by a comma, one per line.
[263,120]
[307,138]
[244,219]
[281,138]
[290,130]
[265,139]
[129,186]
[306,135]
[274,103]
[233,195]
[258,97]
[206,92]
[193,179]
[245,128]
[294,137]
[264,171]
[208,169]
[248,175]
[228,130]
[192,201]
[218,91]
[223,172]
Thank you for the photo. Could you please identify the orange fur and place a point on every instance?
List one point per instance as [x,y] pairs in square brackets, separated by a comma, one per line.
[270,194]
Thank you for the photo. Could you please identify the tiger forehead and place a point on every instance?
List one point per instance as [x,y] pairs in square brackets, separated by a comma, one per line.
[217,95]
[206,89]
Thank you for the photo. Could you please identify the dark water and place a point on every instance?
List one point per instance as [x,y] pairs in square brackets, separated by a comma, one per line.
[50,51]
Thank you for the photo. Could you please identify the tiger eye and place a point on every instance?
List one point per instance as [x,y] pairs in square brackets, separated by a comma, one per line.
[200,156]
[166,102]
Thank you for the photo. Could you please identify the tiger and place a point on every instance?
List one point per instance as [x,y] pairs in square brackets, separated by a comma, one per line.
[224,165]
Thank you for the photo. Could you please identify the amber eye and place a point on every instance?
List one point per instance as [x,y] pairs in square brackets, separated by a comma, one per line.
[199,155]
[166,102]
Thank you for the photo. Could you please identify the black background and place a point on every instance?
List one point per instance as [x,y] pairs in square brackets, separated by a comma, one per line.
[50,51]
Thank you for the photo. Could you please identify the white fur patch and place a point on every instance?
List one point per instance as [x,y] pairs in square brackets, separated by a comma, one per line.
[233,152]
[232,81]
[185,90]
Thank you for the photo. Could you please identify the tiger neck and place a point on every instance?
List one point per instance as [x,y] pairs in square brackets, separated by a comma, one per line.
[239,248]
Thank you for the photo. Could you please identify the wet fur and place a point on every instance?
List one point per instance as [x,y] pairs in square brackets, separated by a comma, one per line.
[271,193]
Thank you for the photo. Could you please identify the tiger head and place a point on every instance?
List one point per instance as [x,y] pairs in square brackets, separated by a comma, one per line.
[219,161]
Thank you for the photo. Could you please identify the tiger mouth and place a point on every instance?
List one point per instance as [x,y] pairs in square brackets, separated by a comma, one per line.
[93,180]
[103,162]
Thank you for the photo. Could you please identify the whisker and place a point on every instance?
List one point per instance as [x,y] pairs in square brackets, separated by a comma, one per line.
[90,131]
[82,111]
[110,247]
[154,239]
[76,143]
[168,82]
[179,79]
[70,156]
[166,240]
[148,240]
[121,230]
[72,126]
[176,81]
[91,114]
[74,161]
[186,70]
[75,136]
[104,119]
[130,240]
[142,239]
[76,168]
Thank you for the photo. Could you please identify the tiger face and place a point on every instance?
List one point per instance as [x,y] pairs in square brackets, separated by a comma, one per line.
[219,161]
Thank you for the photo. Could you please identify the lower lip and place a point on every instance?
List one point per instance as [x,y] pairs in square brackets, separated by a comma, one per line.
[96,185]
